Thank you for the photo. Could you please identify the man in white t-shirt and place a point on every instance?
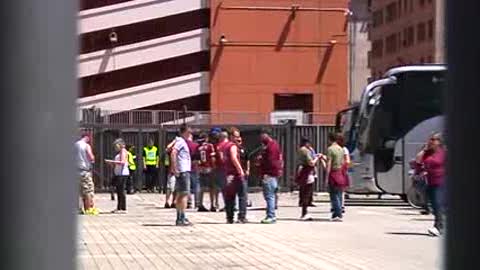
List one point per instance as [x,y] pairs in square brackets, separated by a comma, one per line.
[181,167]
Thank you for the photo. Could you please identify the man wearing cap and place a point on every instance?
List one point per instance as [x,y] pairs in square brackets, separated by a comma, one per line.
[206,151]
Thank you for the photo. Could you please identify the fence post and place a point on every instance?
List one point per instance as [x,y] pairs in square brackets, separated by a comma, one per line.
[289,155]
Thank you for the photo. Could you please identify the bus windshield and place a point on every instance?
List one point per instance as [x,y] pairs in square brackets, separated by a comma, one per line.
[395,109]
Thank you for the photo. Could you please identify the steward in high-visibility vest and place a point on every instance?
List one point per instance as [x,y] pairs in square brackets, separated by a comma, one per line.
[131,161]
[132,184]
[150,156]
[150,165]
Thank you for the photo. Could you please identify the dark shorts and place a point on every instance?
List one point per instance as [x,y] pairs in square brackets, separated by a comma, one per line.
[182,185]
[220,177]
[207,180]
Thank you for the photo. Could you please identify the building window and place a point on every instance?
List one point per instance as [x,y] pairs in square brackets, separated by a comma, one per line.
[377,18]
[422,3]
[377,48]
[405,6]
[430,29]
[391,44]
[429,1]
[410,4]
[421,32]
[410,36]
[391,12]
[400,8]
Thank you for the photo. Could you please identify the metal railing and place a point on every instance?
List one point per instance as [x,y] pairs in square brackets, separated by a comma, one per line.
[165,117]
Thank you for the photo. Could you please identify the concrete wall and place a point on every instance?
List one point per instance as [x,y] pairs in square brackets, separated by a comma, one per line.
[149,32]
[359,46]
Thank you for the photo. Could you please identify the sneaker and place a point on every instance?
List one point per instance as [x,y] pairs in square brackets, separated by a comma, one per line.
[306,217]
[167,205]
[425,212]
[229,221]
[92,212]
[189,205]
[183,223]
[213,209]
[434,232]
[312,205]
[242,221]
[122,212]
[268,221]
[202,209]
[173,205]
[222,210]
[337,219]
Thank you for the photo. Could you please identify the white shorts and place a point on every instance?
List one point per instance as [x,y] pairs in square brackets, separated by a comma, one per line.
[171,182]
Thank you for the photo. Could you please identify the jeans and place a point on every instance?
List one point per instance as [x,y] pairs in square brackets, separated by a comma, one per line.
[120,184]
[336,197]
[435,196]
[195,187]
[270,185]
[236,187]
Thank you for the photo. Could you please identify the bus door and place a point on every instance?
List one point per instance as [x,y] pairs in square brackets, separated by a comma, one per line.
[391,180]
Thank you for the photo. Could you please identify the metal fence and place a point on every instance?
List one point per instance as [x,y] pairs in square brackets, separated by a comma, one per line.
[137,135]
[166,117]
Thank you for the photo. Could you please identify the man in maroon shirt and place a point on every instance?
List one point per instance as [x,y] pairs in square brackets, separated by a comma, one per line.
[219,170]
[235,182]
[205,168]
[271,166]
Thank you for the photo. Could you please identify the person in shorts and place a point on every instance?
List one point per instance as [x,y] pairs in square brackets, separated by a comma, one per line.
[84,163]
[206,152]
[181,167]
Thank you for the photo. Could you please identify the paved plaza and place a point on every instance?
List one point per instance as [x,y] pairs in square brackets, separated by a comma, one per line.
[371,237]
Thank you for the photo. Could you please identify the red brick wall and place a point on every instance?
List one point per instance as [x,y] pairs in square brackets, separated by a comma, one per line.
[245,78]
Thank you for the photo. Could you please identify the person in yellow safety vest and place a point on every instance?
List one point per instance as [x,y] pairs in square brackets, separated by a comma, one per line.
[132,185]
[150,165]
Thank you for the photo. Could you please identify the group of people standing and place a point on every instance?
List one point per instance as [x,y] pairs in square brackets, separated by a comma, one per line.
[335,165]
[216,163]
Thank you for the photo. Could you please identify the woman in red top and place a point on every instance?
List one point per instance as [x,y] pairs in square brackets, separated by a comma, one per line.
[432,160]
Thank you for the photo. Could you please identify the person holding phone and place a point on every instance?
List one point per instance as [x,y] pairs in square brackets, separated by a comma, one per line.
[121,175]
[433,160]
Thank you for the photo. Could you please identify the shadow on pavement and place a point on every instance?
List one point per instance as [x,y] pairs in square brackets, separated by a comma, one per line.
[423,219]
[158,225]
[408,233]
[301,221]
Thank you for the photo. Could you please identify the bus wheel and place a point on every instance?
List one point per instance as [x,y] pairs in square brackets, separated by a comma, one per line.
[416,197]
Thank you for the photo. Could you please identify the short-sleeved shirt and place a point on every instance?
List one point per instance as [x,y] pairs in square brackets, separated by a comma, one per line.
[184,162]
[272,161]
[194,155]
[304,156]
[336,154]
[207,154]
